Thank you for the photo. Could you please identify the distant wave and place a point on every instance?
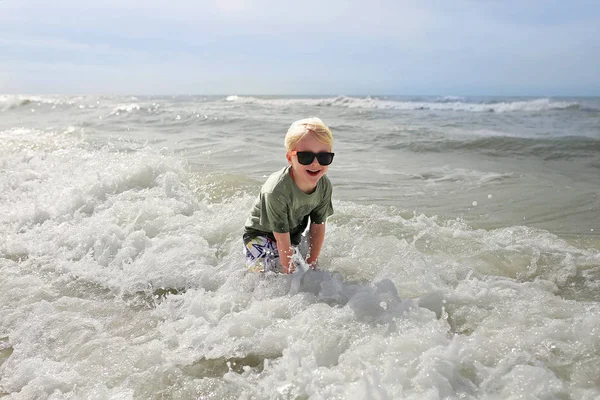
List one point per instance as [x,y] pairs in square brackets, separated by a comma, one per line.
[8,102]
[125,108]
[461,175]
[448,103]
[450,99]
[564,148]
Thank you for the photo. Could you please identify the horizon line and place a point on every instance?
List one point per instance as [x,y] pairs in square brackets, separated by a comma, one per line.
[301,95]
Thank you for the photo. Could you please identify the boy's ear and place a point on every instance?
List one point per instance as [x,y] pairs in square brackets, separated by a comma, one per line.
[289,157]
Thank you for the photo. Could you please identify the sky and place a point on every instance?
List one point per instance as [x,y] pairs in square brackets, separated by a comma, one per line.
[329,47]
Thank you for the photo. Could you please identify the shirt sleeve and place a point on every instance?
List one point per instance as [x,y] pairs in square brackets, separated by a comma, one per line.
[325,209]
[274,213]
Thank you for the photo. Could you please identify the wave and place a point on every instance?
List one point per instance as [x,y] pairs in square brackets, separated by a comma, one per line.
[125,108]
[450,99]
[130,262]
[448,103]
[461,175]
[8,102]
[569,147]
[445,103]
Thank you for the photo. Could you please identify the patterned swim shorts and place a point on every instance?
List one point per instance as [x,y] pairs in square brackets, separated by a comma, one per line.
[262,255]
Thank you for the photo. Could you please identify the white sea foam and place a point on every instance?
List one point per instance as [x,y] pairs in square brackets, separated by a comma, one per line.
[446,99]
[125,108]
[126,280]
[445,105]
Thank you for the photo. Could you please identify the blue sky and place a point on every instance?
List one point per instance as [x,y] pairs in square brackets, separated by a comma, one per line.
[375,47]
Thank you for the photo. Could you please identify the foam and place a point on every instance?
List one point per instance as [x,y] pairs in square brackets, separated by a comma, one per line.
[444,104]
[125,108]
[126,279]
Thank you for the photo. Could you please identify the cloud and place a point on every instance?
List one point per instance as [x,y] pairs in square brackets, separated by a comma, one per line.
[335,47]
[220,16]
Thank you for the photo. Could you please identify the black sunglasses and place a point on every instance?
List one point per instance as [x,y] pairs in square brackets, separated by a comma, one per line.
[307,157]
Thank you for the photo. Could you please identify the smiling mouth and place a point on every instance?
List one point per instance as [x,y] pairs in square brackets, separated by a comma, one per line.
[313,172]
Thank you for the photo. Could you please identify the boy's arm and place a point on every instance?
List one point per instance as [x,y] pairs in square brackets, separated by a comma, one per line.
[284,247]
[317,235]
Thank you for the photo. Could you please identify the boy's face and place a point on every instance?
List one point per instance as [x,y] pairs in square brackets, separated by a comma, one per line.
[308,175]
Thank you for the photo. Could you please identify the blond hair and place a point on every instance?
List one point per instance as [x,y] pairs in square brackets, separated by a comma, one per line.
[302,127]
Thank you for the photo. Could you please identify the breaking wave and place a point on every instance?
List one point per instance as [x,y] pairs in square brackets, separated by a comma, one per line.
[8,102]
[448,103]
[549,148]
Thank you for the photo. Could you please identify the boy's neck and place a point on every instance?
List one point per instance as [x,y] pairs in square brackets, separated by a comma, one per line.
[306,188]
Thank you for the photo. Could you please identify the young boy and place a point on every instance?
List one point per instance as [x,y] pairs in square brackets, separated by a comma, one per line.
[289,198]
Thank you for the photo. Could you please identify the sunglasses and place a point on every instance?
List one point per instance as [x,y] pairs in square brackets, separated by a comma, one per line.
[307,157]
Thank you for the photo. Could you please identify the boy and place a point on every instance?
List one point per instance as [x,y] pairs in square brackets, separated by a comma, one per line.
[289,198]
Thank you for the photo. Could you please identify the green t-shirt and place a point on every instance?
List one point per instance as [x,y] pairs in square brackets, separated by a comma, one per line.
[283,207]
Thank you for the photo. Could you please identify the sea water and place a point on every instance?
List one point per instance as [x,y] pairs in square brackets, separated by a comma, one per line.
[462,261]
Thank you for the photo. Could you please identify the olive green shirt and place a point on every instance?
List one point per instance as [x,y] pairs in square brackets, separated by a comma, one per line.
[282,207]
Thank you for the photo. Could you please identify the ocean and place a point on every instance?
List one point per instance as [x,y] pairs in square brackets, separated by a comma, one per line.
[462,261]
